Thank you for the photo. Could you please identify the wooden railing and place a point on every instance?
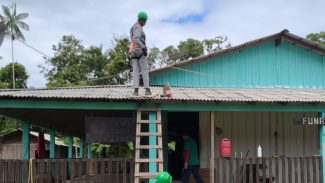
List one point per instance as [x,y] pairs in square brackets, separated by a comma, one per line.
[265,170]
[116,170]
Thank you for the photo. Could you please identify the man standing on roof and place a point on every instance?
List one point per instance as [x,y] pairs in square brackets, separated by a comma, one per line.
[138,54]
[191,159]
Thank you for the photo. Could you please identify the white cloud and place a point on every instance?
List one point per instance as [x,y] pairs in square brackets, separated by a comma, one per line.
[94,22]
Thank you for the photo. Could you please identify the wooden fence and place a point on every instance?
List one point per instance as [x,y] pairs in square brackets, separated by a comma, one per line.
[116,170]
[266,170]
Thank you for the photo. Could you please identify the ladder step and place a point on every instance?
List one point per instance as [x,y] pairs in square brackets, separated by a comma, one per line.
[146,174]
[149,134]
[149,147]
[149,121]
[148,160]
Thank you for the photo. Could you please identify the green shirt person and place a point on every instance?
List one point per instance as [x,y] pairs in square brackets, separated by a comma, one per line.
[191,159]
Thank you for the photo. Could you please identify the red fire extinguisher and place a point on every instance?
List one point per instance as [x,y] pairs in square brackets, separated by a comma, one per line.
[225,148]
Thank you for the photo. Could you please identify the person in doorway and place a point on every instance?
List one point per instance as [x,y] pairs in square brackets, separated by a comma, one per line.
[191,159]
[138,54]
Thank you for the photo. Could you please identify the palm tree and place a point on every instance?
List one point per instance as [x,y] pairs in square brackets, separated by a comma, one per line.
[2,29]
[13,23]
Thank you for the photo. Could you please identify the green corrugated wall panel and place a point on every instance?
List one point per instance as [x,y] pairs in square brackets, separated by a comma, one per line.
[195,77]
[181,78]
[264,65]
[323,71]
[172,77]
[232,70]
[153,80]
[205,67]
[320,77]
[211,72]
[300,68]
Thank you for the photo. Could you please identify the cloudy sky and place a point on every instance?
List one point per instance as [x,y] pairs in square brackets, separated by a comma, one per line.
[170,21]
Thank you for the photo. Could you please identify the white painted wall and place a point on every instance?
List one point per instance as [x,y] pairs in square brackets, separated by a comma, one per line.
[247,130]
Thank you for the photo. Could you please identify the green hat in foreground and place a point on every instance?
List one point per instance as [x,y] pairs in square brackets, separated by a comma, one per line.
[164,177]
[142,15]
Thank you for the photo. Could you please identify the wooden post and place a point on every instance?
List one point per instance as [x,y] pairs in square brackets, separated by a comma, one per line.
[165,138]
[152,141]
[81,147]
[212,122]
[322,142]
[70,146]
[26,143]
[70,154]
[52,144]
[26,150]
[89,151]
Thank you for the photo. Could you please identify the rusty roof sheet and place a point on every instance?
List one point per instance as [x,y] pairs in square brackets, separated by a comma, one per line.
[178,93]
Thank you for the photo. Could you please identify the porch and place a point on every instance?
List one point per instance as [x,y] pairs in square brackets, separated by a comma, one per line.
[68,117]
[290,151]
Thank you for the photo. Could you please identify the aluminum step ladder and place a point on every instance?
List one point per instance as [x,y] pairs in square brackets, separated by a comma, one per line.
[157,135]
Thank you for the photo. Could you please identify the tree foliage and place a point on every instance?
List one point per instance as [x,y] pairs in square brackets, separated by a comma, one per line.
[66,67]
[317,37]
[118,60]
[73,64]
[115,150]
[13,22]
[21,76]
[190,48]
[215,44]
[154,55]
[171,55]
[8,125]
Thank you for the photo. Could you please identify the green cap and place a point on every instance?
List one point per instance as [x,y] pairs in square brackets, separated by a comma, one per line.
[142,15]
[164,177]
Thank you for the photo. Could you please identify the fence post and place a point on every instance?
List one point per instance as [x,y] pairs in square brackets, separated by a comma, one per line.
[322,142]
[26,143]
[89,151]
[70,146]
[81,147]
[164,124]
[54,164]
[52,144]
[212,123]
[26,150]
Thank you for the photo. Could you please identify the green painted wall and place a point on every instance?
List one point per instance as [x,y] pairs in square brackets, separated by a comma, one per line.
[263,65]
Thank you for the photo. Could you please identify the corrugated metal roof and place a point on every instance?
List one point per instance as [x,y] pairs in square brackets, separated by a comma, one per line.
[182,94]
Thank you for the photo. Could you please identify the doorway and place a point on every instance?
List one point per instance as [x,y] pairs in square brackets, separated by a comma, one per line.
[179,122]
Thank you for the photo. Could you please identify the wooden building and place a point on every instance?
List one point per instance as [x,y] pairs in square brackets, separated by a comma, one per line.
[11,145]
[255,94]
